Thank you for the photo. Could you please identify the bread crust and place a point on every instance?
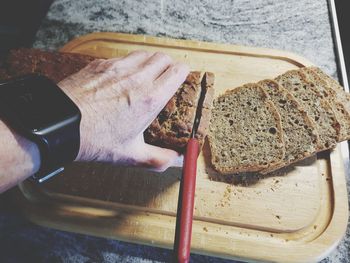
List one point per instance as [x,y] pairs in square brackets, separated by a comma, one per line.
[54,65]
[330,90]
[322,104]
[285,93]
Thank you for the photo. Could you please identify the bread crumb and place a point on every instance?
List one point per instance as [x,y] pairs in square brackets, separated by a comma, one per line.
[205,229]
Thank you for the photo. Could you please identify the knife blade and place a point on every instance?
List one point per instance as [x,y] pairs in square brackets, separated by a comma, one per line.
[184,218]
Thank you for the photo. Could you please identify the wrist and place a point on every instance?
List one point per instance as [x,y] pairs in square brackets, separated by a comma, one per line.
[85,153]
[19,157]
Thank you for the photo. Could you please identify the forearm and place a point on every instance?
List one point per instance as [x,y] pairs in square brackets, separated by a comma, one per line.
[19,158]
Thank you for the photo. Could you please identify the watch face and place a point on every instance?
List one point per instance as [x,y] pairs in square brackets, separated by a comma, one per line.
[35,103]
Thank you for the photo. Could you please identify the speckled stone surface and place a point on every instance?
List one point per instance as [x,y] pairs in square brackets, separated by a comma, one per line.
[300,26]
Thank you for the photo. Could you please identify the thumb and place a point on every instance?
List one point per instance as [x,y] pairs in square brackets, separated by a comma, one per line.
[156,158]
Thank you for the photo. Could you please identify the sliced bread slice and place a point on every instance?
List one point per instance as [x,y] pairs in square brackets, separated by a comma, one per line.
[207,85]
[339,91]
[315,105]
[333,83]
[245,132]
[330,94]
[299,133]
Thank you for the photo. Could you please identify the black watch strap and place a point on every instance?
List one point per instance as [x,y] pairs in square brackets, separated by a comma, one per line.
[39,110]
[57,148]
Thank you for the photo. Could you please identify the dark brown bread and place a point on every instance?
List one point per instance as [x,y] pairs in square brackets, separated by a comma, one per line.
[208,85]
[245,131]
[315,105]
[300,136]
[55,65]
[173,126]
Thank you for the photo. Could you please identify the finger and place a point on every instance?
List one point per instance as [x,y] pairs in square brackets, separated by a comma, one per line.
[132,61]
[179,161]
[155,98]
[152,68]
[156,158]
[166,85]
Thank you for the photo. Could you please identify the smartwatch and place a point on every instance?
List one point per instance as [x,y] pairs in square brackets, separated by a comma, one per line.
[36,108]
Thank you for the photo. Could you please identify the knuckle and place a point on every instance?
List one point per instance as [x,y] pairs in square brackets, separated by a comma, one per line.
[156,165]
[93,64]
[162,56]
[180,68]
[149,102]
[136,79]
[108,65]
[114,62]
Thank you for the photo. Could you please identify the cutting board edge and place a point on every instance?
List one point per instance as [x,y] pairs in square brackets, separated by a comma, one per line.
[195,45]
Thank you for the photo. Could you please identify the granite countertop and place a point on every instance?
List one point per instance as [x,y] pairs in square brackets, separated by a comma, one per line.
[300,26]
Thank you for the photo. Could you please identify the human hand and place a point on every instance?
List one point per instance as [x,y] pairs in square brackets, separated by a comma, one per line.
[118,99]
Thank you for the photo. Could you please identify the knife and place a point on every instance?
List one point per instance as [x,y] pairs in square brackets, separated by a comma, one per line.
[183,231]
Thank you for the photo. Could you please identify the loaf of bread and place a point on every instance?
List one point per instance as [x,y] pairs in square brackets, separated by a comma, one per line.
[315,105]
[300,136]
[245,131]
[55,65]
[173,126]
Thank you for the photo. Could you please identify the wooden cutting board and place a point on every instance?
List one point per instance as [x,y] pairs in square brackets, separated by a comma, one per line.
[297,215]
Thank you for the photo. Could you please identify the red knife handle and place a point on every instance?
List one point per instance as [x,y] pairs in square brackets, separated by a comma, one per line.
[186,202]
